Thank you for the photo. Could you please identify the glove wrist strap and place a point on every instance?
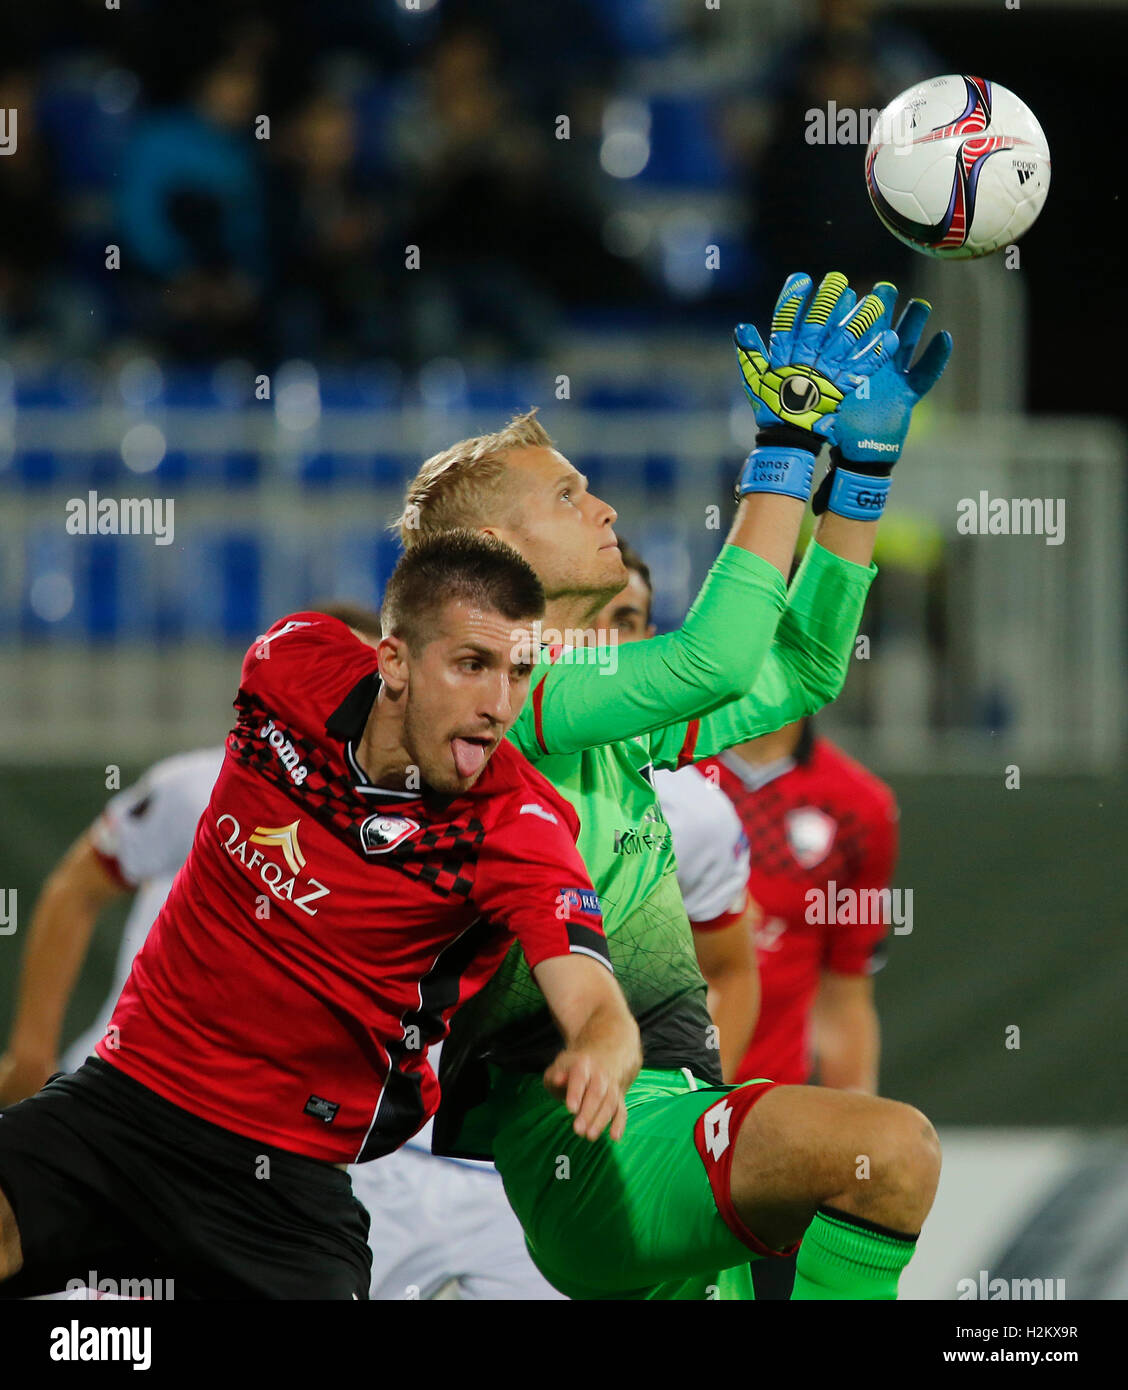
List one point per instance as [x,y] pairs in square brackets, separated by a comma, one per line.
[790,437]
[857,496]
[788,472]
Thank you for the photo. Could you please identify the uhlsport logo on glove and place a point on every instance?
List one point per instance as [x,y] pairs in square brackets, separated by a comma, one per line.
[798,394]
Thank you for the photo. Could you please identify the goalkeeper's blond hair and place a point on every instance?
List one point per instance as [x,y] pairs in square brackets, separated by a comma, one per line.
[464,485]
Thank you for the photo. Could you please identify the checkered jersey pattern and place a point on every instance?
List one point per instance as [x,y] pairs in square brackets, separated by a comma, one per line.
[441,856]
[825,825]
[763,814]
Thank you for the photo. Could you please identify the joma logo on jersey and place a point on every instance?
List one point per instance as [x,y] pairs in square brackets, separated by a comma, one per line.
[285,752]
[284,838]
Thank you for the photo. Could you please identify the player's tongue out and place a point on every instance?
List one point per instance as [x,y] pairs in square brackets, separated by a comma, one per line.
[469,756]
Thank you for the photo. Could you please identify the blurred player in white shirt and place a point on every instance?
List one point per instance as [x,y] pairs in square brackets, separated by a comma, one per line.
[137,846]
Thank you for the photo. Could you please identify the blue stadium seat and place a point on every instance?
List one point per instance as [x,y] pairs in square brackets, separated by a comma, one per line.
[98,591]
[241,468]
[85,139]
[177,467]
[319,469]
[36,468]
[685,145]
[240,562]
[190,386]
[392,468]
[374,106]
[659,472]
[638,28]
[635,395]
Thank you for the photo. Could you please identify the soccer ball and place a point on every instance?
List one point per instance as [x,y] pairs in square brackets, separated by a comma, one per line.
[957,167]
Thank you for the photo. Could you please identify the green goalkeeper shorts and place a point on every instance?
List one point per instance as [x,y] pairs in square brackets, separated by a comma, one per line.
[648,1216]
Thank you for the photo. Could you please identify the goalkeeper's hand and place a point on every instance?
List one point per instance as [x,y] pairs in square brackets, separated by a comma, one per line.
[817,354]
[870,426]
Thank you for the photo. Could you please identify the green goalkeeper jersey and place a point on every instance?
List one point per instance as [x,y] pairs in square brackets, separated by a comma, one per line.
[749,658]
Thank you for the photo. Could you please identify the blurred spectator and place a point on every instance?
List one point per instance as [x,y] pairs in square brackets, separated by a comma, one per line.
[502,235]
[192,215]
[471,162]
[330,223]
[393,128]
[807,183]
[32,232]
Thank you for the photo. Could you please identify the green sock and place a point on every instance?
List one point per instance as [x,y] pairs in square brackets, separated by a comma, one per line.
[844,1256]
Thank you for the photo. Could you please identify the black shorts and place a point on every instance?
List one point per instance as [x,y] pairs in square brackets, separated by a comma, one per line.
[108,1179]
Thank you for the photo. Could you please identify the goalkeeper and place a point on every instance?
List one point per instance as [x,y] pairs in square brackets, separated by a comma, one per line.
[707,1176]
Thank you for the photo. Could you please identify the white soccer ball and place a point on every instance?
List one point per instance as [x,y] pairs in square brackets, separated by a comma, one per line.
[957,167]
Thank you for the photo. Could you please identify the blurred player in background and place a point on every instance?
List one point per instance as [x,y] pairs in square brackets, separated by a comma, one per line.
[136,846]
[237,1010]
[814,818]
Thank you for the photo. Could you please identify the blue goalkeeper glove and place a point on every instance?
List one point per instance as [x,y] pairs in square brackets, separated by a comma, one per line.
[798,383]
[870,426]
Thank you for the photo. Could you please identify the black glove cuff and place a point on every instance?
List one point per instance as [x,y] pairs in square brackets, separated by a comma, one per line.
[790,437]
[874,468]
[821,495]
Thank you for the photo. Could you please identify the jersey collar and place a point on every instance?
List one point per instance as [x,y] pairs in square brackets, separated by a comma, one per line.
[756,775]
[347,723]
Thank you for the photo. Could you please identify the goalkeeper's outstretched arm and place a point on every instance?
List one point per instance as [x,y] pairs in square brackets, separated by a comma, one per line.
[733,655]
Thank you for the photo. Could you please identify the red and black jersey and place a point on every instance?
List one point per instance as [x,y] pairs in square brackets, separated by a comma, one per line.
[819,822]
[323,930]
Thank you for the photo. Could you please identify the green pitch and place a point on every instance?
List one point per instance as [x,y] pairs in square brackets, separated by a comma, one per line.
[1017,919]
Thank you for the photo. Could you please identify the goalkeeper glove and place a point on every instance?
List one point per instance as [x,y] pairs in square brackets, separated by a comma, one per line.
[798,383]
[870,426]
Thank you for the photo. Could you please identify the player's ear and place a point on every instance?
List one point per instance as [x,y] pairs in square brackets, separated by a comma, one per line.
[394,663]
[651,629]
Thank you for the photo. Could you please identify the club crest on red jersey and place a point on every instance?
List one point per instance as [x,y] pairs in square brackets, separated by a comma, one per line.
[810,833]
[382,833]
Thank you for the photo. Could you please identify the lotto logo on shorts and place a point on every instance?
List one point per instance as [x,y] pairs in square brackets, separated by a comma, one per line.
[717,1129]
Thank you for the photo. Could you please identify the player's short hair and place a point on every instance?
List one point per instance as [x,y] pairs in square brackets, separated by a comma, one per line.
[465,484]
[364,620]
[457,565]
[634,561]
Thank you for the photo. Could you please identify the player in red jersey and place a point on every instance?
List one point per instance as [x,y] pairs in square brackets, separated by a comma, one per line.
[370,850]
[822,835]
